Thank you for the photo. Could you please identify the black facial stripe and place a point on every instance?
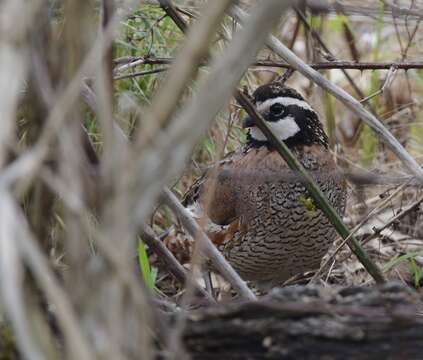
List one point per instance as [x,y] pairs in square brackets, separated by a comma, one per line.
[274,118]
[297,112]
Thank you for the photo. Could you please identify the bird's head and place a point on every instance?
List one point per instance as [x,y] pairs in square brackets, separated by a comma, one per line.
[290,117]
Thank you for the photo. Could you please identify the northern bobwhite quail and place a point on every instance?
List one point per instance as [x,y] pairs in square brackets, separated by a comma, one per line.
[260,215]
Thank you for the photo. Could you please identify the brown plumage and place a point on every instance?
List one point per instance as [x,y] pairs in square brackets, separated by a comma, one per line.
[259,213]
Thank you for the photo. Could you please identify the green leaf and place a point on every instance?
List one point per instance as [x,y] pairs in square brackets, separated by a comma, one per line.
[144,264]
[416,271]
[308,203]
[391,264]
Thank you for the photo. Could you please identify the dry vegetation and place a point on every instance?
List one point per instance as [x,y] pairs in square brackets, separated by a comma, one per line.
[103,103]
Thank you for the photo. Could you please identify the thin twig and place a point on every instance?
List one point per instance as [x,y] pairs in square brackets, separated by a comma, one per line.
[337,7]
[140,73]
[326,65]
[317,37]
[386,85]
[219,262]
[394,219]
[172,264]
[399,10]
[172,12]
[372,213]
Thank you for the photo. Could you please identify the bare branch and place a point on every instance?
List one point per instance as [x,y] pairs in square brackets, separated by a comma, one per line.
[327,65]
[148,236]
[215,256]
[324,6]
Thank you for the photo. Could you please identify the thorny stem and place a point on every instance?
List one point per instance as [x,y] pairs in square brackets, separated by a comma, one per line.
[324,65]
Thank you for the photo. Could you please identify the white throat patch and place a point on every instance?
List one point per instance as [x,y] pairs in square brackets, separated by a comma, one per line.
[283,129]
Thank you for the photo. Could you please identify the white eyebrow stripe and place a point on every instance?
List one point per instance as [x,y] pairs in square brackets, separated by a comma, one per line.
[286,101]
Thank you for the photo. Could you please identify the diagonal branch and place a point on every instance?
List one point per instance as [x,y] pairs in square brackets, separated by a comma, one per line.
[171,11]
[177,270]
[323,45]
[351,103]
[215,255]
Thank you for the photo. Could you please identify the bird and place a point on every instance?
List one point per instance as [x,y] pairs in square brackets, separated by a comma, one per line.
[257,210]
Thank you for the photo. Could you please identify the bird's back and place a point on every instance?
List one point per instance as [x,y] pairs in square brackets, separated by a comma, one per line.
[281,231]
[262,217]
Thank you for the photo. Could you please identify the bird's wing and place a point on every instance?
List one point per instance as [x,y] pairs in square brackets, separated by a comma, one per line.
[215,192]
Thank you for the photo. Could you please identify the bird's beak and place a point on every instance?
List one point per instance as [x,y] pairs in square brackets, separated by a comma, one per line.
[248,122]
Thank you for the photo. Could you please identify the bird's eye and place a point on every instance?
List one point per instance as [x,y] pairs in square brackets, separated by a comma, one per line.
[277,109]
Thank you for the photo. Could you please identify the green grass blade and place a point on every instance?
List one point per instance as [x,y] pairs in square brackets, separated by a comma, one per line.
[144,264]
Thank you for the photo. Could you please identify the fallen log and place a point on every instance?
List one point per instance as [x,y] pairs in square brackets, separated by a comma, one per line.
[383,322]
